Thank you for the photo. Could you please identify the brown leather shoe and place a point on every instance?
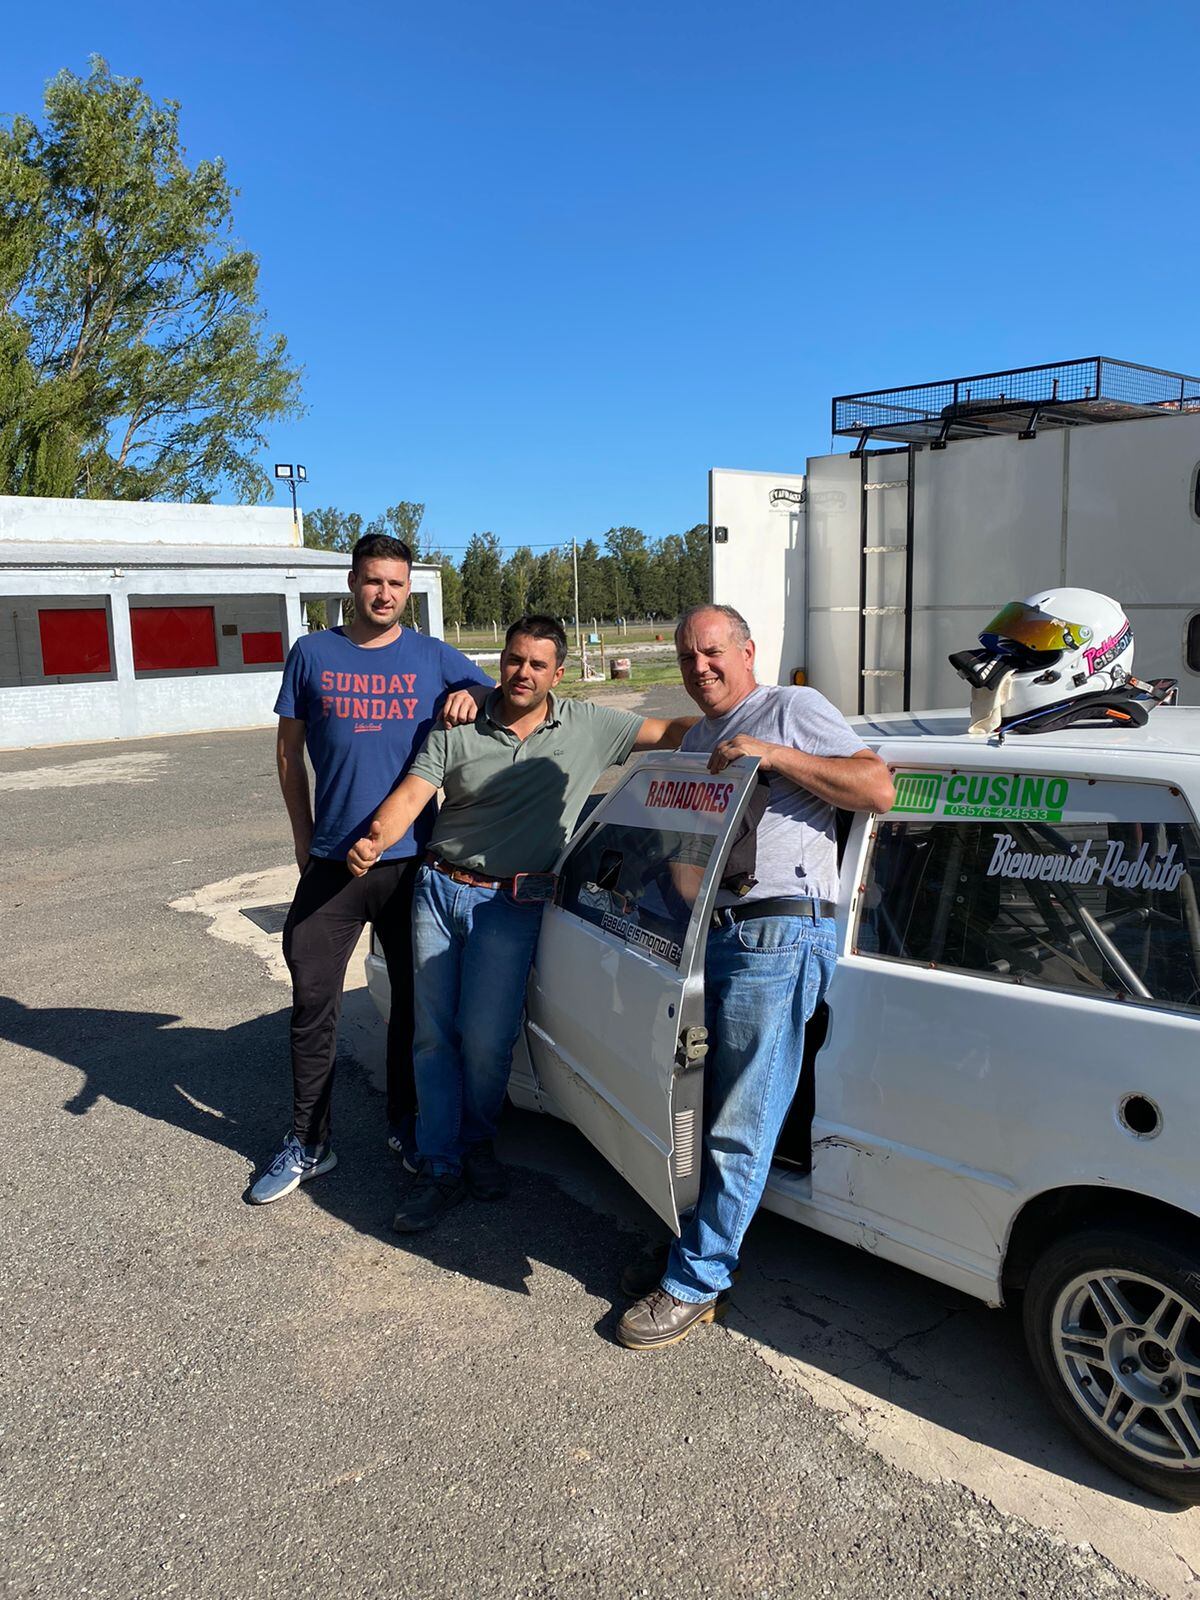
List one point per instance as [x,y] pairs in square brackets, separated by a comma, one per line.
[659,1320]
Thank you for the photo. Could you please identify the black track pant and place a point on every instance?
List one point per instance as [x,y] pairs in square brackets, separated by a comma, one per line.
[325,922]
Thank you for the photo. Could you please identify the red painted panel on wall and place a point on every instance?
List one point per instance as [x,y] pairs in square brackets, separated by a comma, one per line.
[172,637]
[74,642]
[262,649]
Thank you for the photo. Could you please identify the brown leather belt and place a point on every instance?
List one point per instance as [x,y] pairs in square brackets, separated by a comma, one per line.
[477,880]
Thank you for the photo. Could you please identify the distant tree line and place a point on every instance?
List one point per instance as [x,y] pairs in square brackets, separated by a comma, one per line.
[624,575]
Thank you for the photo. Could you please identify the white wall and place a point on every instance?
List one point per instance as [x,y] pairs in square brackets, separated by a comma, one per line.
[759,568]
[27,519]
[73,712]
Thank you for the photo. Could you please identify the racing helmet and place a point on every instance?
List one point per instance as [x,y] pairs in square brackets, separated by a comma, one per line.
[1061,656]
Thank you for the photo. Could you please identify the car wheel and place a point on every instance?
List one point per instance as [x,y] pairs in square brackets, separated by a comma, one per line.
[1112,1321]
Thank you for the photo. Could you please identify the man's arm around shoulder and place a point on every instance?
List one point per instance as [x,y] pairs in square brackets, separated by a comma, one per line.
[663,733]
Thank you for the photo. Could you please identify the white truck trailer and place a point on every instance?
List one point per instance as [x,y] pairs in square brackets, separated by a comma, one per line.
[867,570]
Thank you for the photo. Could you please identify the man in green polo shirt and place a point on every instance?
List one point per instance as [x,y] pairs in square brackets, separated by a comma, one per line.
[515,780]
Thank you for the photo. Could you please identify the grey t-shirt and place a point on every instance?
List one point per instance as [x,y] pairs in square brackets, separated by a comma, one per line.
[797,841]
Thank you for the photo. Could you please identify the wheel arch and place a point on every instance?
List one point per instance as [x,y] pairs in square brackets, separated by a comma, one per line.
[1056,1212]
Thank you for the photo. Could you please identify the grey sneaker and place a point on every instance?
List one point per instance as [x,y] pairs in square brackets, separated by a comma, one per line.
[295,1164]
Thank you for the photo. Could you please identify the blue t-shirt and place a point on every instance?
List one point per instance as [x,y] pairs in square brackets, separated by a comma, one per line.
[365,711]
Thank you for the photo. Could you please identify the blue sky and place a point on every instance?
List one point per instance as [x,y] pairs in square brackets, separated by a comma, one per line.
[545,264]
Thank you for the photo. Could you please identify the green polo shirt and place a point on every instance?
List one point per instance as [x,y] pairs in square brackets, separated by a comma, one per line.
[511,803]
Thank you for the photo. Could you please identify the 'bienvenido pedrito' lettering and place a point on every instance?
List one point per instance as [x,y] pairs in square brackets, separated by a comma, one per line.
[1083,866]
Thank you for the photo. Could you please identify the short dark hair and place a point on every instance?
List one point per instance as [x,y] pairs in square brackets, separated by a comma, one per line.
[538,626]
[380,547]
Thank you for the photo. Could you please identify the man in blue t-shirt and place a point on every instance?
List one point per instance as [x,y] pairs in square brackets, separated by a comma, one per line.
[361,700]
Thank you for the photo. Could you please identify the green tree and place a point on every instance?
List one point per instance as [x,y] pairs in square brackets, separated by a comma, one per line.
[134,359]
[42,423]
[480,571]
[452,587]
[627,564]
[516,583]
[664,577]
[593,590]
[695,582]
[401,521]
[327,528]
[551,591]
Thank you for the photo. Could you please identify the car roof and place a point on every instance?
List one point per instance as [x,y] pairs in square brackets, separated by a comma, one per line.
[1171,730]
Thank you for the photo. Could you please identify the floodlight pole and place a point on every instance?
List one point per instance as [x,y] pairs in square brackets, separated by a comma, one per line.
[285,472]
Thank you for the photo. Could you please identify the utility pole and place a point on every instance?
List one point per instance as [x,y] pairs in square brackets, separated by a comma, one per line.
[578,629]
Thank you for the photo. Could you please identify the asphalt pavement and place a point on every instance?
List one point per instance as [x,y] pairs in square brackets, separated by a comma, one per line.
[201,1398]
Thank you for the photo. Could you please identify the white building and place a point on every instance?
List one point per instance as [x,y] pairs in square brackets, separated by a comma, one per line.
[127,618]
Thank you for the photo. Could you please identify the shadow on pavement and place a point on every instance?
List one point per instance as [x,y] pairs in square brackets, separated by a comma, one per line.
[231,1086]
[891,1334]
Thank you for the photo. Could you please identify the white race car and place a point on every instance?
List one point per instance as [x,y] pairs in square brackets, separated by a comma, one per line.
[1003,1092]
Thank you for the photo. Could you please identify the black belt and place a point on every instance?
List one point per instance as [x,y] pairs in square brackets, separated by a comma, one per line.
[780,905]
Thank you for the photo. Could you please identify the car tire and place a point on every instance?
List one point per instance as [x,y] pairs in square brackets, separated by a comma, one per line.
[1112,1323]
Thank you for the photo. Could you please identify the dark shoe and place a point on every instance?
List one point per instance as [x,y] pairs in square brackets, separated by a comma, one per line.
[659,1320]
[427,1201]
[485,1177]
[645,1274]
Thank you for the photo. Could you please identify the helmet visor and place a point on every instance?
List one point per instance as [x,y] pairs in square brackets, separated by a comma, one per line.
[1022,624]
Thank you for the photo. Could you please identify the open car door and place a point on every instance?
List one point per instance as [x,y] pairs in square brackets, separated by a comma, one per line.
[615,1007]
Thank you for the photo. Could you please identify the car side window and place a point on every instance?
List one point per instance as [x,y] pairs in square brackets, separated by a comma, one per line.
[639,883]
[1109,909]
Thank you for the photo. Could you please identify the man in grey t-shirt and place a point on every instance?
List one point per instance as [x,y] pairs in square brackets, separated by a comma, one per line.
[770,953]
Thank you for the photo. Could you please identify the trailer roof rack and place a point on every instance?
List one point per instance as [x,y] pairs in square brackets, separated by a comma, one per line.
[1061,394]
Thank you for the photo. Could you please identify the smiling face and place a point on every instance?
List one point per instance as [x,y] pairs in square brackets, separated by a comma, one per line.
[717,671]
[380,588]
[529,669]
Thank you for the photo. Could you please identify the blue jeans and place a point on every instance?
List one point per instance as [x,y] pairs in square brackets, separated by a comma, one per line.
[763,979]
[472,951]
